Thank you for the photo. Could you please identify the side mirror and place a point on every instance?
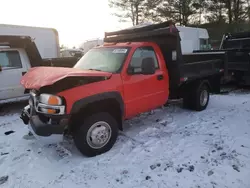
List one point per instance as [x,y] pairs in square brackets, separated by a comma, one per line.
[148,66]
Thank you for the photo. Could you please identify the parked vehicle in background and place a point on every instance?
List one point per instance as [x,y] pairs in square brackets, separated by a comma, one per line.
[71,53]
[193,39]
[236,46]
[16,58]
[89,44]
[17,55]
[46,39]
[136,70]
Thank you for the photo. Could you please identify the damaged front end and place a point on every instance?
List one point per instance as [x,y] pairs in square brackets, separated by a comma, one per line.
[45,115]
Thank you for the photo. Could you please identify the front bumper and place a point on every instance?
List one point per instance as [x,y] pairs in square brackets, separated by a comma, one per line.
[41,128]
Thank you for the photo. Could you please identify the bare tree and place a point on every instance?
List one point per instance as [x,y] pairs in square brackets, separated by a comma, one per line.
[183,12]
[129,10]
[216,11]
[177,10]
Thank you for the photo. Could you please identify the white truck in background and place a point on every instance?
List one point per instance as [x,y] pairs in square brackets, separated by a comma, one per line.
[21,48]
[193,39]
[46,39]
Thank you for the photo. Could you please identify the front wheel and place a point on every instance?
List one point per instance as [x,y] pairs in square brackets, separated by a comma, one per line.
[97,134]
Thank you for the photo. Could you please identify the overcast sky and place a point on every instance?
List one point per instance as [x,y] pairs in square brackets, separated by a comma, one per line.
[75,20]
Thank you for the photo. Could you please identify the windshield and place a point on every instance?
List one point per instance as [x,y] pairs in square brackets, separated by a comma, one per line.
[103,59]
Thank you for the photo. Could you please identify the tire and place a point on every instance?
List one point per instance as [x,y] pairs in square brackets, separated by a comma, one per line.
[85,142]
[194,101]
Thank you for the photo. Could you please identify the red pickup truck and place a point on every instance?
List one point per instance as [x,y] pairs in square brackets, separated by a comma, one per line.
[133,72]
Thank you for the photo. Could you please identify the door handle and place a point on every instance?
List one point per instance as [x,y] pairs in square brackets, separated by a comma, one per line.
[160,77]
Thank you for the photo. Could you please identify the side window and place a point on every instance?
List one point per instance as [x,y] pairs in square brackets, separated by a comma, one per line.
[204,44]
[149,52]
[140,54]
[10,59]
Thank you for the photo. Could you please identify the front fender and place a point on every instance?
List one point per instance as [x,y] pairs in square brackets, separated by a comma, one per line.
[82,103]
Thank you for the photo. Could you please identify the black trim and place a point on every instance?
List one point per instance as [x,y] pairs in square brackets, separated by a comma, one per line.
[70,82]
[78,105]
[160,77]
[43,129]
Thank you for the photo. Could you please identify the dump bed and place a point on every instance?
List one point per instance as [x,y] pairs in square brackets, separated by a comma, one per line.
[181,67]
[238,47]
[197,65]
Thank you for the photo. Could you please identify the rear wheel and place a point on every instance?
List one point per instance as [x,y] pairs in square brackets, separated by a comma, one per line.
[198,99]
[96,135]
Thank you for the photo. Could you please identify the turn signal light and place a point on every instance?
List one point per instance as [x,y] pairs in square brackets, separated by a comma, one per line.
[53,100]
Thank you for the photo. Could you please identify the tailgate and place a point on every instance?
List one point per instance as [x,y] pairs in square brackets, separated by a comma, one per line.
[239,60]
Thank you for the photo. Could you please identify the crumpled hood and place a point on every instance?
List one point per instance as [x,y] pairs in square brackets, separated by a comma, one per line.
[39,77]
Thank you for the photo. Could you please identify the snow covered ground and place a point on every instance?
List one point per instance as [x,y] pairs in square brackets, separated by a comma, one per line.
[168,148]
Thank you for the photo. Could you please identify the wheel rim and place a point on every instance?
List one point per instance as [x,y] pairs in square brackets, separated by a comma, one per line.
[204,97]
[99,135]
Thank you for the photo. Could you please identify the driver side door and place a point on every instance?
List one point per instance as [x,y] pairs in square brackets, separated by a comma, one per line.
[144,92]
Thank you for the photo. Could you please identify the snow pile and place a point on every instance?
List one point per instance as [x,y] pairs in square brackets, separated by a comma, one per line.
[170,147]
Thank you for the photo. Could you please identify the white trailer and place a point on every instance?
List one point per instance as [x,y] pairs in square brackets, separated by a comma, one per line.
[193,38]
[46,39]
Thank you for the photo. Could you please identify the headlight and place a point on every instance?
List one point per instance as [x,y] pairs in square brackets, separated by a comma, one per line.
[50,99]
[50,104]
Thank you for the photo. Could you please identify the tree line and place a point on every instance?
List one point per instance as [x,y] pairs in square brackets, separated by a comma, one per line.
[182,12]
